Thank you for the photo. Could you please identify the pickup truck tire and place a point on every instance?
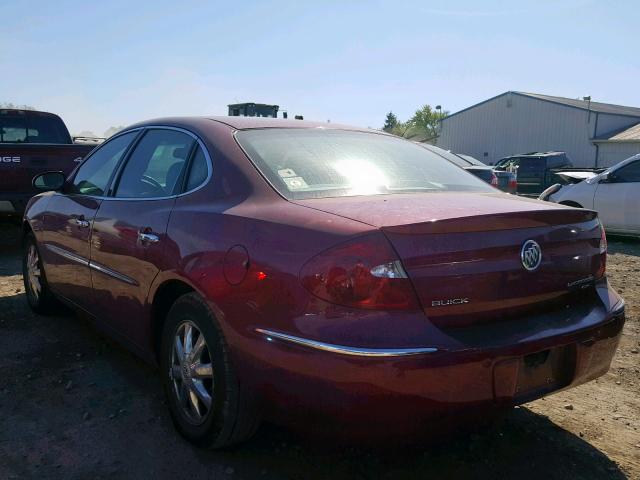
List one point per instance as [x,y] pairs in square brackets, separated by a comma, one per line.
[39,296]
[208,405]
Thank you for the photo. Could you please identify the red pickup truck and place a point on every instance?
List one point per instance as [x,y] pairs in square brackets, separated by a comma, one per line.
[32,142]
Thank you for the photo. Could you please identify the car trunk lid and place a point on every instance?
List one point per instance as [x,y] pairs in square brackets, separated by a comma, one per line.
[463,252]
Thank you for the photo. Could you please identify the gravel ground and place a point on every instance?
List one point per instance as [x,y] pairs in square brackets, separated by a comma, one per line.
[73,404]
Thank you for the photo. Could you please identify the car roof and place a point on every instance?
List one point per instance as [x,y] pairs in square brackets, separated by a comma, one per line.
[447,155]
[536,155]
[22,111]
[624,162]
[242,123]
[472,160]
[245,123]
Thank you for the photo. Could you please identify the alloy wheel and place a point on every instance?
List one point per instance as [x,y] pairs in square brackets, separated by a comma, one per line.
[191,372]
[33,272]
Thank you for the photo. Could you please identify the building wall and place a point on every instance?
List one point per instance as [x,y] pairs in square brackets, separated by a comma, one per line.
[613,152]
[608,124]
[511,124]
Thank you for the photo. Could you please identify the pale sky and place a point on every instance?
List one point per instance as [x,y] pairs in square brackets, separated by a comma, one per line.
[99,64]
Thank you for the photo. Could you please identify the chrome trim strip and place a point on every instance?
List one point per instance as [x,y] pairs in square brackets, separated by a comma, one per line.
[95,266]
[67,254]
[344,350]
[619,307]
[112,273]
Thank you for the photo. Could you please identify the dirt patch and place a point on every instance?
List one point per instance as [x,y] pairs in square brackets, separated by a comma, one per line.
[75,405]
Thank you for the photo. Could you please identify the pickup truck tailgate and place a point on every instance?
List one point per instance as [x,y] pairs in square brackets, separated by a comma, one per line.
[20,163]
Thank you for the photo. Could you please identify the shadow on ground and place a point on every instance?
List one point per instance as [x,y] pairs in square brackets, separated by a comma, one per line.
[10,260]
[74,404]
[626,245]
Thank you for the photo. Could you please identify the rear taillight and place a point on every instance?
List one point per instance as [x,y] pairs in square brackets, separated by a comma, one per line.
[603,253]
[363,273]
[494,180]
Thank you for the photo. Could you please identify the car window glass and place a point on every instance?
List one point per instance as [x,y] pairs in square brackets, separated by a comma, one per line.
[447,155]
[155,166]
[93,175]
[531,165]
[198,171]
[46,129]
[13,129]
[304,163]
[628,173]
[32,128]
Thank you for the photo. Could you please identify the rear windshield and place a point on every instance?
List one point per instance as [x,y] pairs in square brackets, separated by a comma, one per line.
[317,163]
[452,157]
[25,127]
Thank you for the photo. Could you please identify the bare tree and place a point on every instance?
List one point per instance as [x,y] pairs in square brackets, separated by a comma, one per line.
[15,106]
[112,131]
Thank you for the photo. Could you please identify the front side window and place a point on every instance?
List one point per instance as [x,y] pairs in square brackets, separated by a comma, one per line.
[156,165]
[93,175]
[316,163]
[629,173]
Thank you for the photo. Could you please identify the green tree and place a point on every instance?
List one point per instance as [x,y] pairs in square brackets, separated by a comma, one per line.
[421,127]
[400,129]
[425,122]
[390,122]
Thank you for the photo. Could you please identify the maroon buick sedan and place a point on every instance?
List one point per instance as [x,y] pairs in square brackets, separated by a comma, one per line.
[312,273]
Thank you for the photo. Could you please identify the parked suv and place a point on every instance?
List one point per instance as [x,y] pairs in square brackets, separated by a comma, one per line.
[504,180]
[535,171]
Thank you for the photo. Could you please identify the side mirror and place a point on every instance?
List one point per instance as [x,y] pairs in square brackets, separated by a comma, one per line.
[49,181]
[605,178]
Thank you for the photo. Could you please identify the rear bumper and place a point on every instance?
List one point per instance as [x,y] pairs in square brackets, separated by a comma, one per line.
[404,393]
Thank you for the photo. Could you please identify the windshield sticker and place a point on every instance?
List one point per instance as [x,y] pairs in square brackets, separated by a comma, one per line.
[287,173]
[295,183]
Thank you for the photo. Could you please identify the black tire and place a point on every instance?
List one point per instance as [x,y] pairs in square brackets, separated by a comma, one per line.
[233,415]
[42,302]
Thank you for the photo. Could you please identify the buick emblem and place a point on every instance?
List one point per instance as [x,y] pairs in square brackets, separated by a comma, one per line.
[531,255]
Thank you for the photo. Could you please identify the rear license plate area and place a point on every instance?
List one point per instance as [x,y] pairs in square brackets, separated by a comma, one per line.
[544,371]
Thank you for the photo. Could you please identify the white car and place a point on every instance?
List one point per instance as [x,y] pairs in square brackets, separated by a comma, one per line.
[614,194]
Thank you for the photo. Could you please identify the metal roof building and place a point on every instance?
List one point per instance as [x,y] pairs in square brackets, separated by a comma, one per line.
[592,133]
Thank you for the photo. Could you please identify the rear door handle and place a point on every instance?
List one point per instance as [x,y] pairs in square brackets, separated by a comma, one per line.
[148,237]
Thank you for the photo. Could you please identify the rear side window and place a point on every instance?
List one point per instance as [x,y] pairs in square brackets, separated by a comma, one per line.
[629,173]
[525,165]
[93,175]
[531,165]
[314,163]
[32,127]
[156,165]
[198,171]
[13,129]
